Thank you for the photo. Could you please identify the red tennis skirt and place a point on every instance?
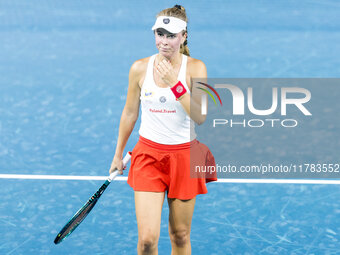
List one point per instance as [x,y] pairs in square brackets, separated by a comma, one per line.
[159,167]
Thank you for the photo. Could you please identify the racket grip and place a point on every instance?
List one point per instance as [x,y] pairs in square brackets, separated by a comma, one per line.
[126,159]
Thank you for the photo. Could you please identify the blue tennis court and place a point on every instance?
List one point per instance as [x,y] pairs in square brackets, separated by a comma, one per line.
[63,81]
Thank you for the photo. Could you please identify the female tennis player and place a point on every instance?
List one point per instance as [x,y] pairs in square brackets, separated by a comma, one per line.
[160,160]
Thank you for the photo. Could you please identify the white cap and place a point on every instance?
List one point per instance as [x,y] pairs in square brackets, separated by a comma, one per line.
[171,24]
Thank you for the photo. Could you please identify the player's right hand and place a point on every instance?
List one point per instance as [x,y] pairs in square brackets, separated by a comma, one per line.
[117,164]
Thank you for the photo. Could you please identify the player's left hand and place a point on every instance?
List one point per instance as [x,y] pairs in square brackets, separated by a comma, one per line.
[167,72]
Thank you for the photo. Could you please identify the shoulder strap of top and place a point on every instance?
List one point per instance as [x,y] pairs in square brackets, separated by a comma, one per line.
[183,70]
[149,72]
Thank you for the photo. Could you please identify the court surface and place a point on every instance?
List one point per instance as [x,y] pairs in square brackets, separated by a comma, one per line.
[63,81]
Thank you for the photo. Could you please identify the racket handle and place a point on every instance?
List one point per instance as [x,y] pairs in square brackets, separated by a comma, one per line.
[126,159]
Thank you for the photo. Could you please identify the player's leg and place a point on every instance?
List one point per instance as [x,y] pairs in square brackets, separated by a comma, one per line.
[180,216]
[148,212]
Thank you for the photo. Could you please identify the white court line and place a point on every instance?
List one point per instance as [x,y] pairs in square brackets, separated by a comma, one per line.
[123,178]
[59,177]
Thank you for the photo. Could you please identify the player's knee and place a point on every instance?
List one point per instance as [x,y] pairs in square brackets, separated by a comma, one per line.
[148,243]
[181,237]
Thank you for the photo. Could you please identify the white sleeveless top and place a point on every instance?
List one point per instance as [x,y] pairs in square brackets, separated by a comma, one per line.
[163,118]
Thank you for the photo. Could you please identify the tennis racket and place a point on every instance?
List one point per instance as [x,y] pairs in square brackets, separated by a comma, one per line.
[86,209]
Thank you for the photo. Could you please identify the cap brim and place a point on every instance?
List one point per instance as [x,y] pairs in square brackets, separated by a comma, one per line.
[171,30]
[170,24]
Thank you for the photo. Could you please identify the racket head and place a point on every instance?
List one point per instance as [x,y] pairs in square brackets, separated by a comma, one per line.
[75,221]
[86,209]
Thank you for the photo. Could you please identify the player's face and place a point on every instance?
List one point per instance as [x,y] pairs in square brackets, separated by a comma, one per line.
[167,43]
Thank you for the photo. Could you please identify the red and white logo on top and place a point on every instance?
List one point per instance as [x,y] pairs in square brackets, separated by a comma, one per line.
[179,89]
